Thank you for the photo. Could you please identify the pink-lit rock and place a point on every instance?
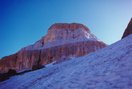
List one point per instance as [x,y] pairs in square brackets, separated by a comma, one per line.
[62,41]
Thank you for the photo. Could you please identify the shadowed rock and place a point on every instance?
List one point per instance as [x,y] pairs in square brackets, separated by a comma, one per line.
[128,30]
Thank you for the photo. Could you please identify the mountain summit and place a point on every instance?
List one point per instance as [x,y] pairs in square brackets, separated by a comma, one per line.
[128,30]
[63,41]
[63,33]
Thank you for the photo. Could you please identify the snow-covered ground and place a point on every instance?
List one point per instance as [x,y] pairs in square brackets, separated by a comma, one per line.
[108,68]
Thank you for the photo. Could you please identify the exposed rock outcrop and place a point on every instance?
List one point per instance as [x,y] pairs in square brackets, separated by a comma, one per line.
[62,41]
[128,30]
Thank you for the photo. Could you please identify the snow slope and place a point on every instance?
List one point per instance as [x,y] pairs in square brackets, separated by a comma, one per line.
[108,68]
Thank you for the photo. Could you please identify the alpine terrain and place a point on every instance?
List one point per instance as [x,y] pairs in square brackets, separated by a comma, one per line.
[107,68]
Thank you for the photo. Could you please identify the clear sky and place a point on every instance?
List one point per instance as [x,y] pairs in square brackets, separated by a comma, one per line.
[23,22]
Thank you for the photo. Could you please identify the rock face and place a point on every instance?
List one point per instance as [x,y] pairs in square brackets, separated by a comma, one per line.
[128,30]
[62,41]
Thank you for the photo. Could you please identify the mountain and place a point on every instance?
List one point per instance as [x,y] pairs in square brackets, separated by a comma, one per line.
[63,41]
[128,30]
[108,68]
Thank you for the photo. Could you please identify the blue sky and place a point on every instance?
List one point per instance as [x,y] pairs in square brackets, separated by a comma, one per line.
[23,22]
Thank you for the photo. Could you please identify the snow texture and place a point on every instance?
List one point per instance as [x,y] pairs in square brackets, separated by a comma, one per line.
[108,68]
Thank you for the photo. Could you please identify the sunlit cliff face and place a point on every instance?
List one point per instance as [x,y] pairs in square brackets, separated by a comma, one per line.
[61,33]
[63,41]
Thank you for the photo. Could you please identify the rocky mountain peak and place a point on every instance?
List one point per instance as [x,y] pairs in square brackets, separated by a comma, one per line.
[68,26]
[63,41]
[128,30]
[63,33]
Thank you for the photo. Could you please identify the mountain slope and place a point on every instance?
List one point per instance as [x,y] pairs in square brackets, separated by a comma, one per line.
[61,42]
[108,68]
